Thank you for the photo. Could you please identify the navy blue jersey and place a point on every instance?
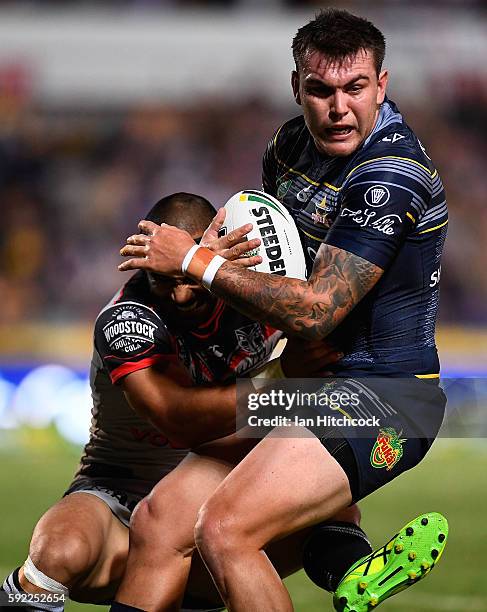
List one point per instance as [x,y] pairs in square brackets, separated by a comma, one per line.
[386,204]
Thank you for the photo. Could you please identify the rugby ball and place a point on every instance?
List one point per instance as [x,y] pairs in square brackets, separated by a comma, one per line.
[280,249]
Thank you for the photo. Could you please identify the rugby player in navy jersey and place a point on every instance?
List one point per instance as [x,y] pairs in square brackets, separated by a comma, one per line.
[371,211]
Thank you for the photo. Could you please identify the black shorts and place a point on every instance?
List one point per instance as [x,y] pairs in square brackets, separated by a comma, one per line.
[410,412]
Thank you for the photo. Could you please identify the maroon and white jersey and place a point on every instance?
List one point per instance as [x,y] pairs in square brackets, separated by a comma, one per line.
[130,335]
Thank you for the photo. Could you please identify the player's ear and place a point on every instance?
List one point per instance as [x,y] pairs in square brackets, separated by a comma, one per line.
[381,86]
[295,86]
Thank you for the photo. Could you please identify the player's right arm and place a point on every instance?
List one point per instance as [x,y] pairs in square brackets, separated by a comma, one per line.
[309,310]
[139,355]
[190,415]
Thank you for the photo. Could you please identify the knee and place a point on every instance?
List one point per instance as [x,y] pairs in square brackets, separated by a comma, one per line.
[154,527]
[141,523]
[147,521]
[217,534]
[64,555]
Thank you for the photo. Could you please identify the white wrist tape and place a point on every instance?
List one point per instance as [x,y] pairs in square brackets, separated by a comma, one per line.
[188,257]
[35,576]
[211,270]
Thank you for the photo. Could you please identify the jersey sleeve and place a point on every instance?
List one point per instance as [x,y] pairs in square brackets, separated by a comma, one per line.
[381,204]
[129,336]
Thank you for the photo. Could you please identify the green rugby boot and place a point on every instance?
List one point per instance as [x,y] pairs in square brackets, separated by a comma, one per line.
[408,557]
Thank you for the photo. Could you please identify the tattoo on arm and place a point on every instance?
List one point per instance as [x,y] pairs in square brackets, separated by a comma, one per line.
[308,309]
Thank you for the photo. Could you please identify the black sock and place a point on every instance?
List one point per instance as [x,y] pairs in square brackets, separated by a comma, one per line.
[331,549]
[120,607]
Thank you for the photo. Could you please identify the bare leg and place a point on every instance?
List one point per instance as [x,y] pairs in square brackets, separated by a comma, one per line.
[161,534]
[81,544]
[284,485]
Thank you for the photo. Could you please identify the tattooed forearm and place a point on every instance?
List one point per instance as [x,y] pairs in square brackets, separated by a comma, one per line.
[308,309]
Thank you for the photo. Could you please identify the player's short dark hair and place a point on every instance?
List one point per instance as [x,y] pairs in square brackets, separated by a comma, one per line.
[339,35]
[187,211]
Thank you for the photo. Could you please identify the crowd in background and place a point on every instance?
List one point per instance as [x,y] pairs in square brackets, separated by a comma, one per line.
[74,183]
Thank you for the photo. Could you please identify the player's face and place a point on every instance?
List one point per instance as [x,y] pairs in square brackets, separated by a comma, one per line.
[340,101]
[184,304]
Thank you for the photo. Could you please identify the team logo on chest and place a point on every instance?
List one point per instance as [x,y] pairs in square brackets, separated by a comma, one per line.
[252,348]
[321,214]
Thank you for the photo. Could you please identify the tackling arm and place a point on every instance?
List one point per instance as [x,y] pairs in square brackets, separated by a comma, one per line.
[187,415]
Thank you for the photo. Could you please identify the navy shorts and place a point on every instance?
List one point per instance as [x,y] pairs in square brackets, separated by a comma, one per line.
[410,412]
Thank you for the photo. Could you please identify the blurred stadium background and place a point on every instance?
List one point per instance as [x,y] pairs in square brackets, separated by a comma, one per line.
[104,108]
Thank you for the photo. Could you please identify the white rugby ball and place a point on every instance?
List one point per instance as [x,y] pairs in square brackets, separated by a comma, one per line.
[280,249]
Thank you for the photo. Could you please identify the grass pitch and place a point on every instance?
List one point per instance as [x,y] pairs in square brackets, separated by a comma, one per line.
[36,466]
